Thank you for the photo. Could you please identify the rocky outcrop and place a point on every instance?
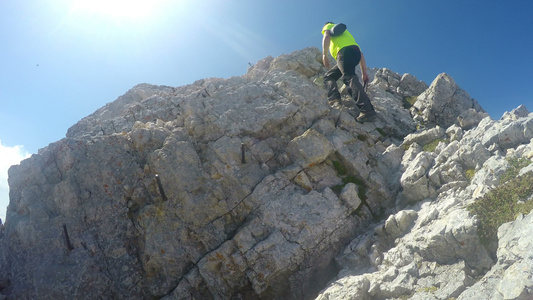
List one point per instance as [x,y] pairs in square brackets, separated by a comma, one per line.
[444,103]
[427,274]
[431,249]
[254,187]
[510,277]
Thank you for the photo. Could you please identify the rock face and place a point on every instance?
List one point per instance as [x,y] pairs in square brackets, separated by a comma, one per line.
[253,187]
[444,103]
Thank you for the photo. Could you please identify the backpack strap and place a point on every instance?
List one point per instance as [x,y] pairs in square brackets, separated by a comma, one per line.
[337,30]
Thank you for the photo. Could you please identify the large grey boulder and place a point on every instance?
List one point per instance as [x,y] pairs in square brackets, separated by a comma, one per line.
[511,134]
[309,149]
[444,103]
[415,181]
[410,86]
[517,113]
[425,137]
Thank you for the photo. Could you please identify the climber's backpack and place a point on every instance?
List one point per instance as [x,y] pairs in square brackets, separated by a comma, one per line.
[337,30]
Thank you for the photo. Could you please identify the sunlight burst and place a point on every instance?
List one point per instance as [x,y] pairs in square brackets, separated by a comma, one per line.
[117,9]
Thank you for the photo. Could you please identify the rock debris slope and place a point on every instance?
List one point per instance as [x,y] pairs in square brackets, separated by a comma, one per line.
[253,187]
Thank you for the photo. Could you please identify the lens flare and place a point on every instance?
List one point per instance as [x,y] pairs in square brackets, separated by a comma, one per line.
[116,9]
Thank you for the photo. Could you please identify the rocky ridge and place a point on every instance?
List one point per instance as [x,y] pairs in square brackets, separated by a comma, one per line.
[254,187]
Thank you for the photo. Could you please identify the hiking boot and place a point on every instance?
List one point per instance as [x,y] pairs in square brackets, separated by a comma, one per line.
[366,117]
[334,101]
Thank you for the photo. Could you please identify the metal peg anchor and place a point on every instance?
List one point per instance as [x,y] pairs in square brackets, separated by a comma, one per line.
[161,191]
[243,157]
[69,245]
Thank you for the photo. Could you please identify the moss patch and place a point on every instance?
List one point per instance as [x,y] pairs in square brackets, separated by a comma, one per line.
[406,146]
[430,147]
[409,101]
[342,172]
[339,168]
[430,289]
[501,205]
[470,174]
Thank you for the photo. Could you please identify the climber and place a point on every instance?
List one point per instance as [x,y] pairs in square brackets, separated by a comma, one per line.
[347,54]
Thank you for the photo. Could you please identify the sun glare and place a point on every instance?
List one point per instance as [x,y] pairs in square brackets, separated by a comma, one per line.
[116,9]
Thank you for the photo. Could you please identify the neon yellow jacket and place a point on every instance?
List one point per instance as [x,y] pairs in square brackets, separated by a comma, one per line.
[339,42]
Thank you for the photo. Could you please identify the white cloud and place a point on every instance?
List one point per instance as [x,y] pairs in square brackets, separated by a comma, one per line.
[8,156]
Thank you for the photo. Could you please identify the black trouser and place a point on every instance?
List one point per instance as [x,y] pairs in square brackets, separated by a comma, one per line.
[347,59]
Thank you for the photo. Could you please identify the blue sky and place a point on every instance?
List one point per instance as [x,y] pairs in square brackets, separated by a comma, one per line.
[60,60]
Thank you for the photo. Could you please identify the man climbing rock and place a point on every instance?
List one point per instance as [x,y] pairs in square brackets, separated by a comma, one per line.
[346,51]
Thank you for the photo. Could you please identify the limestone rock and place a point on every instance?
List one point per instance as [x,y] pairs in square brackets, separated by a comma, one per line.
[517,113]
[309,149]
[410,86]
[253,187]
[349,194]
[388,91]
[398,224]
[387,80]
[441,256]
[213,224]
[444,101]
[415,181]
[506,134]
[348,288]
[470,118]
[510,277]
[425,137]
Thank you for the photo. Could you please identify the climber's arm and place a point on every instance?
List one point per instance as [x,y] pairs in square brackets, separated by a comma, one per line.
[325,47]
